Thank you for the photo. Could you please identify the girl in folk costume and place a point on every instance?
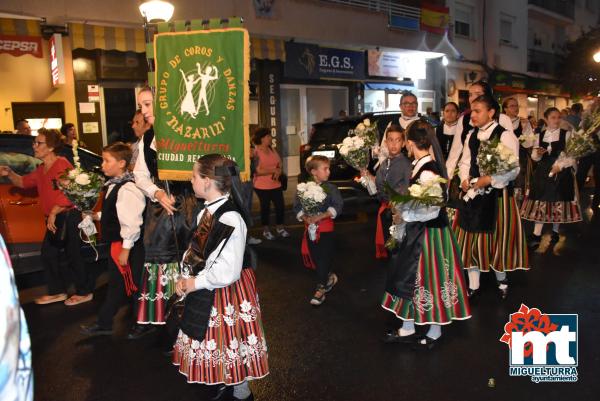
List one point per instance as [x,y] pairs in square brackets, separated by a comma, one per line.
[445,132]
[488,228]
[221,341]
[167,228]
[524,132]
[319,253]
[394,170]
[425,283]
[552,195]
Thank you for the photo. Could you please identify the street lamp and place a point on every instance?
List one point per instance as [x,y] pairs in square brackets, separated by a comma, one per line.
[157,11]
[597,56]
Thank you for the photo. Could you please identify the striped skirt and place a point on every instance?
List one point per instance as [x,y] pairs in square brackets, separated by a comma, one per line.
[440,291]
[551,212]
[503,250]
[234,348]
[158,284]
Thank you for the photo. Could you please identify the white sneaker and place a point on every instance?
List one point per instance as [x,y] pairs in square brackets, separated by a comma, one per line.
[268,235]
[254,241]
[282,233]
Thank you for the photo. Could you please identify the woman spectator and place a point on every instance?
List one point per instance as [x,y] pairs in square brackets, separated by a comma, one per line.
[70,135]
[267,182]
[61,221]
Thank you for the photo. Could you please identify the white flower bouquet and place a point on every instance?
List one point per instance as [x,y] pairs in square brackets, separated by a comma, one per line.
[368,132]
[422,203]
[528,139]
[311,196]
[494,158]
[82,188]
[355,152]
[580,144]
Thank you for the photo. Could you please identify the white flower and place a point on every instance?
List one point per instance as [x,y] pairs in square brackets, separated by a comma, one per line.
[415,190]
[211,345]
[392,230]
[301,187]
[246,306]
[435,190]
[367,122]
[360,127]
[73,173]
[252,340]
[233,344]
[82,179]
[229,309]
[489,157]
[427,177]
[195,344]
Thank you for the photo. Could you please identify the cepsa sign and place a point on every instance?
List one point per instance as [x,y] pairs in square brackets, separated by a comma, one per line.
[20,45]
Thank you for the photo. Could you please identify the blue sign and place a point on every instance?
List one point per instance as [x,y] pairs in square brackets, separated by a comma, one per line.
[307,61]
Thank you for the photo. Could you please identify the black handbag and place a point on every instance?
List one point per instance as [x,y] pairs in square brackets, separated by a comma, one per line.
[283,179]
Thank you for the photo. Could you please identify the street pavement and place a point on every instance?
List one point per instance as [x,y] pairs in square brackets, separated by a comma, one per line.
[335,352]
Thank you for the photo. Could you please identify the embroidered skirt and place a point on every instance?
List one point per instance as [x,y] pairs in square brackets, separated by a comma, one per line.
[504,249]
[158,284]
[440,291]
[234,348]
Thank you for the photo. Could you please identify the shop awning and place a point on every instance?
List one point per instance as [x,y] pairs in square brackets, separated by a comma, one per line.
[85,36]
[388,86]
[267,49]
[22,27]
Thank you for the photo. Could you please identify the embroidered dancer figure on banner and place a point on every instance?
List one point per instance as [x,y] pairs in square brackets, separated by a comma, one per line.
[205,78]
[188,105]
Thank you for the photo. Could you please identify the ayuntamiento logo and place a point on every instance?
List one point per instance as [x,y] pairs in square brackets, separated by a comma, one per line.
[542,346]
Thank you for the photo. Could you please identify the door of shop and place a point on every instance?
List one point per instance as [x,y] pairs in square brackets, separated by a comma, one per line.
[301,107]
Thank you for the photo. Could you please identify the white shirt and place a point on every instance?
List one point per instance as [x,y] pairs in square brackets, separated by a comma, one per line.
[224,269]
[507,138]
[450,129]
[405,121]
[457,147]
[143,178]
[130,211]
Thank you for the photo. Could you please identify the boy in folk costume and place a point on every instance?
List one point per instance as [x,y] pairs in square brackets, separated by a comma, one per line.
[221,341]
[121,220]
[394,170]
[552,196]
[488,228]
[318,253]
[425,284]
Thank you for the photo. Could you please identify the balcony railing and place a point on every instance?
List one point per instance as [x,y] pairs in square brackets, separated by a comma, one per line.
[542,62]
[565,8]
[400,15]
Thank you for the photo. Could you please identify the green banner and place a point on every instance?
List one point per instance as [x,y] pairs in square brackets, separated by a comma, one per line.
[201,99]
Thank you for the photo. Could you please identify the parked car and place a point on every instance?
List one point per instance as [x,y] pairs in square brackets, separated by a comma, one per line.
[21,217]
[323,140]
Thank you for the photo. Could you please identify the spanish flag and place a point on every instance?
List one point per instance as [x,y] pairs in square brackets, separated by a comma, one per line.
[434,18]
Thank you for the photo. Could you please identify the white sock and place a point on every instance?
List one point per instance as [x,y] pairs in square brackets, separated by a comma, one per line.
[241,391]
[408,328]
[537,229]
[434,332]
[555,227]
[501,276]
[474,279]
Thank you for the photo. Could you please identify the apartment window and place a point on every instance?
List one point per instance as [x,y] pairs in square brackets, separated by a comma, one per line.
[463,20]
[506,27]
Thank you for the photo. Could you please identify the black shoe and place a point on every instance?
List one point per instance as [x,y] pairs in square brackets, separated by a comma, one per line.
[224,393]
[473,294]
[394,338]
[534,241]
[95,330]
[140,330]
[425,343]
[554,238]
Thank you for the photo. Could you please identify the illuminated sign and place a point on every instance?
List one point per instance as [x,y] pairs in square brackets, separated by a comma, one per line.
[57,61]
[19,45]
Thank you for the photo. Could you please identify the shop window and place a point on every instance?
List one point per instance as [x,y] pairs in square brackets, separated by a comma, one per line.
[39,114]
[463,21]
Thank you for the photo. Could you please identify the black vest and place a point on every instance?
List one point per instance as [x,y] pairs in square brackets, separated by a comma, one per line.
[150,155]
[519,130]
[111,228]
[444,140]
[557,146]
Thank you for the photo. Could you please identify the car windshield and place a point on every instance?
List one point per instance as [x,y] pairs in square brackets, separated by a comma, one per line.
[20,163]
